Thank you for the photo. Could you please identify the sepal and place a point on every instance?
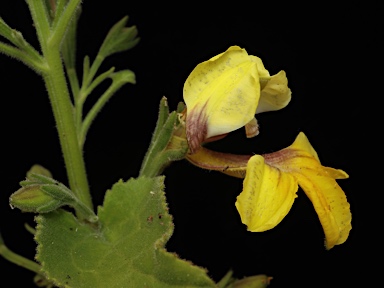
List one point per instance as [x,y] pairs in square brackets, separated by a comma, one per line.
[42,194]
[33,198]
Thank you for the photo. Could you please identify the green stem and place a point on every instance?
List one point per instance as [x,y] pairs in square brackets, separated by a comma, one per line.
[38,66]
[92,71]
[58,7]
[79,118]
[118,80]
[88,74]
[85,71]
[18,260]
[29,228]
[40,17]
[89,215]
[96,82]
[225,280]
[73,82]
[54,78]
[62,24]
[63,113]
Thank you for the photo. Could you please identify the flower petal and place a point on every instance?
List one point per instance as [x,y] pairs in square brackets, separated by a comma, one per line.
[222,93]
[230,164]
[196,127]
[336,173]
[263,73]
[319,184]
[302,143]
[268,195]
[275,95]
[330,204]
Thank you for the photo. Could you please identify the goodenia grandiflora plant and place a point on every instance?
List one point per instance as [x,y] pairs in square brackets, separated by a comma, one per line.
[122,242]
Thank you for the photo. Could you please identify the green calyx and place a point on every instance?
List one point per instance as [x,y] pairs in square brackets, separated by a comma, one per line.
[33,199]
[42,194]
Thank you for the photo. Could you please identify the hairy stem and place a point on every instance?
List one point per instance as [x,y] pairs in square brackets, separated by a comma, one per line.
[63,113]
[17,259]
[54,78]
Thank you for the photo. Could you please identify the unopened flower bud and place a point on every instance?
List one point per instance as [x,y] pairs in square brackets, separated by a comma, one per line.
[38,169]
[33,199]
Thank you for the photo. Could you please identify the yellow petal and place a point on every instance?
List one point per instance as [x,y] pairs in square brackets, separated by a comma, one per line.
[275,94]
[302,143]
[267,197]
[319,184]
[221,94]
[330,204]
[263,73]
[336,173]
[230,164]
[237,102]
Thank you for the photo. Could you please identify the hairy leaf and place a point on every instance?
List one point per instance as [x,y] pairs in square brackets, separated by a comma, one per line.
[125,250]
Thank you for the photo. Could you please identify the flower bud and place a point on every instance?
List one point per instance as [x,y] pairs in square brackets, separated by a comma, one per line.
[33,199]
[38,169]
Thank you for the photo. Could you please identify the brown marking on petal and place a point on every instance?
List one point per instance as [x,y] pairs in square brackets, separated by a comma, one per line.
[230,164]
[213,160]
[235,172]
[278,159]
[279,156]
[196,127]
[215,138]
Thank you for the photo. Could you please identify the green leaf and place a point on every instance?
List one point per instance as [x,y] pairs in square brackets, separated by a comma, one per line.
[68,47]
[162,117]
[126,249]
[119,79]
[96,82]
[151,166]
[25,51]
[119,39]
[5,30]
[180,107]
[123,77]
[14,36]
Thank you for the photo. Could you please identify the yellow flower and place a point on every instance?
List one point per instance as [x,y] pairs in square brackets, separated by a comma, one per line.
[271,182]
[225,92]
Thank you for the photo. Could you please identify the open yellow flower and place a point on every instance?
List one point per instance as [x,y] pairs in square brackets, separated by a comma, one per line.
[225,92]
[271,183]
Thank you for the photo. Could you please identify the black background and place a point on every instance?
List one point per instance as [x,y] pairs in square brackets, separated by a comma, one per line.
[331,57]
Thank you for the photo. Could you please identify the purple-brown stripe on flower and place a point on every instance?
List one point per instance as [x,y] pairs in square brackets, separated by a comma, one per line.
[224,93]
[271,183]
